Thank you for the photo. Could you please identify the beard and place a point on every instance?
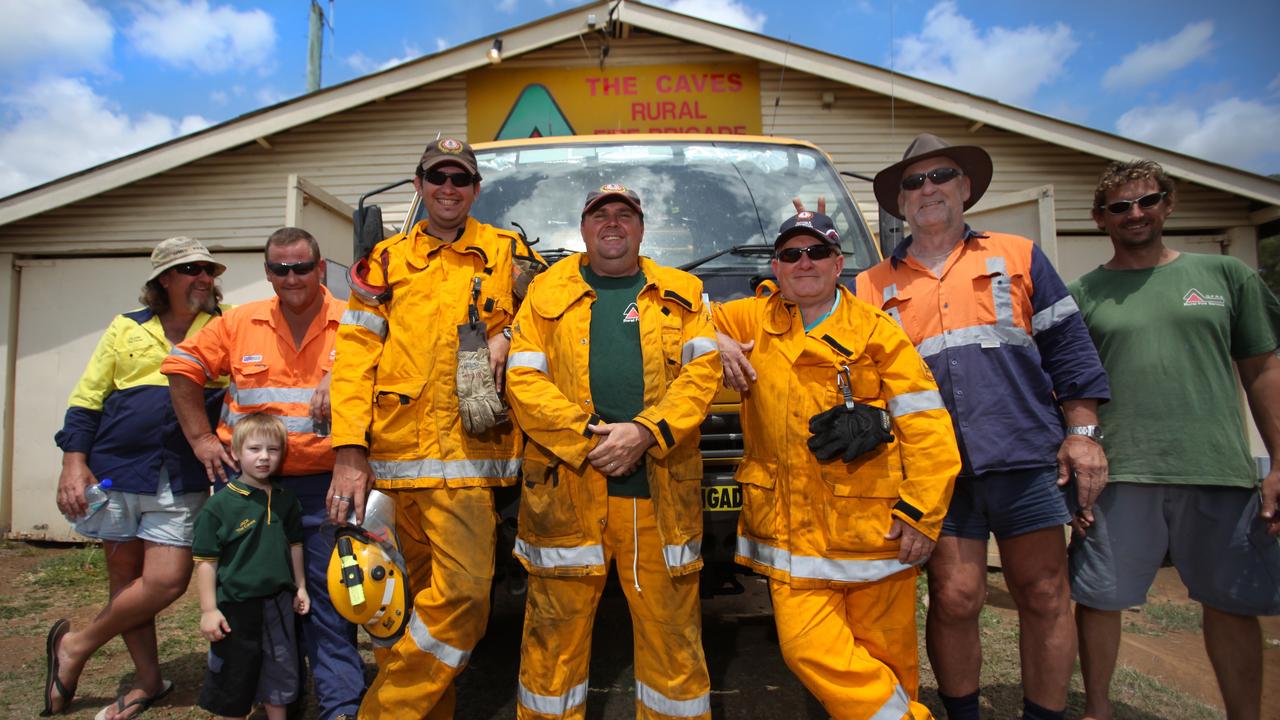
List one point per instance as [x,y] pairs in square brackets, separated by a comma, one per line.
[205,302]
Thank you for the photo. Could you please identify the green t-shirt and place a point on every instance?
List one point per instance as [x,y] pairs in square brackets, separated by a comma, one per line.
[1167,337]
[616,363]
[249,534]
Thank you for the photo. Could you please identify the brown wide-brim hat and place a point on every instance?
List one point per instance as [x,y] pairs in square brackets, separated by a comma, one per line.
[974,162]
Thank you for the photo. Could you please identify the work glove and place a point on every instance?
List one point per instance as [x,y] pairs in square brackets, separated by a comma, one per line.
[526,264]
[478,402]
[848,432]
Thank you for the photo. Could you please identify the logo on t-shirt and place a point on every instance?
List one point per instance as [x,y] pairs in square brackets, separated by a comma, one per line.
[1195,297]
[631,314]
[245,525]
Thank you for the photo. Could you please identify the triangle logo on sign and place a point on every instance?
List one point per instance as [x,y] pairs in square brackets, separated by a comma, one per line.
[631,314]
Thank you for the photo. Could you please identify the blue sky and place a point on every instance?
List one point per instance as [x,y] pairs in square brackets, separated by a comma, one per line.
[84,81]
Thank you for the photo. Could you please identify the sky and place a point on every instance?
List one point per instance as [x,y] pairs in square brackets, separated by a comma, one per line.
[86,81]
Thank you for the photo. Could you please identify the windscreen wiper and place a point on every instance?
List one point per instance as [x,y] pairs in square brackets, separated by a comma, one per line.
[748,250]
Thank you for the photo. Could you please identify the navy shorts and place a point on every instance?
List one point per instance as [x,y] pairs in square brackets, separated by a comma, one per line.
[1007,504]
[257,662]
[1213,536]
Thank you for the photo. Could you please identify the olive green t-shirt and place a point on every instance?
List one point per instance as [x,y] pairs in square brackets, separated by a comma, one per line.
[616,364]
[1168,337]
[248,533]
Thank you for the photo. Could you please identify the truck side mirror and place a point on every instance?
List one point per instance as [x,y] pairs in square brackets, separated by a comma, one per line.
[366,223]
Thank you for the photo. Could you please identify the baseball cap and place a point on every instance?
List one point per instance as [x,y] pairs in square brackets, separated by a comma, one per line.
[178,250]
[448,150]
[612,191]
[808,223]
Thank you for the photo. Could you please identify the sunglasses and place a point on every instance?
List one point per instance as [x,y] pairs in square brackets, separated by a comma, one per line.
[299,268]
[815,253]
[937,176]
[1145,202]
[195,268]
[440,177]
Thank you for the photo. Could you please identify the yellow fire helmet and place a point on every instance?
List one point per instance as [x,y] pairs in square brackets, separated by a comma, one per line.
[366,576]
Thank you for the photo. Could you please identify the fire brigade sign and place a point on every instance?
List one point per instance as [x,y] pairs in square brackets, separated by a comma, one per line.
[505,103]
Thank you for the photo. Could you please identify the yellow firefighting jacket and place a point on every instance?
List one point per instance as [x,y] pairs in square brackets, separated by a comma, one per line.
[564,500]
[393,385]
[814,523]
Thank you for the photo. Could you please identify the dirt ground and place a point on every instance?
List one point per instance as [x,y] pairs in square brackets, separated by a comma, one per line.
[1162,646]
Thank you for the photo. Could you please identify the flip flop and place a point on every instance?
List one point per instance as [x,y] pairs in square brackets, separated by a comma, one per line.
[143,703]
[51,681]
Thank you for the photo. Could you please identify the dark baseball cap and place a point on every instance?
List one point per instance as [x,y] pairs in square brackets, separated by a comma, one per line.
[612,191]
[448,150]
[808,223]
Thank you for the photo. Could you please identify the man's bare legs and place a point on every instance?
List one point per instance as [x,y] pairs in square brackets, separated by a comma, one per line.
[1035,569]
[1234,644]
[957,590]
[1099,634]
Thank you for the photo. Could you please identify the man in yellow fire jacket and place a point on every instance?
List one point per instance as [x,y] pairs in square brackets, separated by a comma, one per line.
[416,415]
[847,471]
[612,369]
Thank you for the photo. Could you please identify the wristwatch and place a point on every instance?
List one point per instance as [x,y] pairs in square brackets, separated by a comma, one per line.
[1093,432]
[506,332]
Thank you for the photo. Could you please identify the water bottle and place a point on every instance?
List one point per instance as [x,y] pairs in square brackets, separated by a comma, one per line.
[96,496]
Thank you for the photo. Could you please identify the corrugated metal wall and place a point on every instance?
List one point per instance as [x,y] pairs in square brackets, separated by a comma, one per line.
[235,198]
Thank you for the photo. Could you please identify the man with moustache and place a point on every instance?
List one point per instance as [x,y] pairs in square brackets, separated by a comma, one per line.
[416,413]
[1022,382]
[120,426]
[837,511]
[1168,326]
[613,366]
[278,353]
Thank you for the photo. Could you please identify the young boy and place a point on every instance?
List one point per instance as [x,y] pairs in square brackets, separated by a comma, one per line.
[248,552]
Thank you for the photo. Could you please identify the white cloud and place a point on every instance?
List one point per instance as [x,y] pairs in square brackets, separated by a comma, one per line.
[1009,65]
[733,13]
[1153,61]
[61,35]
[63,126]
[442,45]
[210,39]
[1274,86]
[270,96]
[1234,132]
[507,6]
[364,64]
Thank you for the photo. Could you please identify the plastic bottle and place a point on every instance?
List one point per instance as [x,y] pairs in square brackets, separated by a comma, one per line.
[96,496]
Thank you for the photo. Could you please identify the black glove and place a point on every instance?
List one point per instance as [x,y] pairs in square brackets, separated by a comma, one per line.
[848,432]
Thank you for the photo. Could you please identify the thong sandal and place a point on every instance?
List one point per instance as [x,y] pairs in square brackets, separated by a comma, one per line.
[51,682]
[143,703]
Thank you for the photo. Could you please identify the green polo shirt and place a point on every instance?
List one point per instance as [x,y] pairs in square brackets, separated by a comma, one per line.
[248,532]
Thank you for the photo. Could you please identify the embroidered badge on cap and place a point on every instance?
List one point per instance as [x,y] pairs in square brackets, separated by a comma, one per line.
[450,145]
[612,188]
[804,215]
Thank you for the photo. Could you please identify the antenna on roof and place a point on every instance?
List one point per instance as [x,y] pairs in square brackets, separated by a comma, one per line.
[777,99]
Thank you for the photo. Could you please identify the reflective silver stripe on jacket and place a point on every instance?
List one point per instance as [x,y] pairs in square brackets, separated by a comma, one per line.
[554,557]
[891,292]
[817,568]
[188,356]
[656,701]
[914,402]
[895,707]
[984,335]
[372,322]
[678,555]
[445,653]
[696,348]
[444,469]
[1054,314]
[291,423]
[528,359]
[1001,291]
[258,396]
[557,705]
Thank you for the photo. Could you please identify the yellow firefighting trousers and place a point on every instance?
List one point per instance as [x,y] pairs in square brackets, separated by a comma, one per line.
[854,646]
[555,653]
[447,536]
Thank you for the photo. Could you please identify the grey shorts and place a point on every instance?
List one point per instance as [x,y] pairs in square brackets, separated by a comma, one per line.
[1212,535]
[163,518]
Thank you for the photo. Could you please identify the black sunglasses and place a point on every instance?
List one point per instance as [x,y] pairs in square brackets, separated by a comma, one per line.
[815,253]
[1145,202]
[299,268]
[459,179]
[193,269]
[937,176]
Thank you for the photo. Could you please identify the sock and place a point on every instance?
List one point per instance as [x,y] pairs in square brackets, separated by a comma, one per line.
[961,708]
[1032,711]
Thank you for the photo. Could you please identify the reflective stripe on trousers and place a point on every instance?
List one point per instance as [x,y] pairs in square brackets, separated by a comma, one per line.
[818,568]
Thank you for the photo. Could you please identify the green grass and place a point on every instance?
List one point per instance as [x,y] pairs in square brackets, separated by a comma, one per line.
[1132,691]
[84,567]
[1174,617]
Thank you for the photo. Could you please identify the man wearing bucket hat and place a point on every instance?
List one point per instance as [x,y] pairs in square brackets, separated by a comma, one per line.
[120,426]
[416,413]
[848,465]
[1022,381]
[612,370]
